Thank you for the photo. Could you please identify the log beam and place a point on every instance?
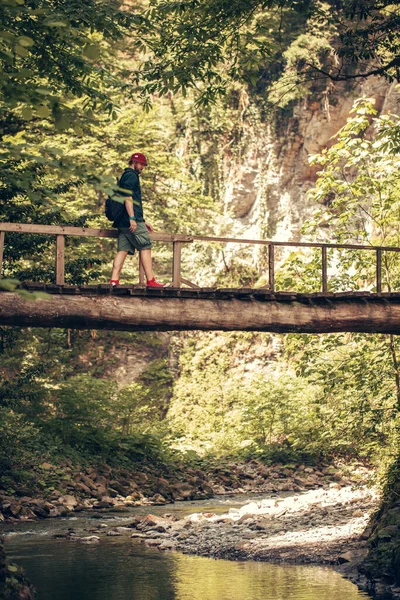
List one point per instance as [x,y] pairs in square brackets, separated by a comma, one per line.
[138,313]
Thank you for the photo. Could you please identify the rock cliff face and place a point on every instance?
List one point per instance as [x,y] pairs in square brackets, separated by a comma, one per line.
[264,190]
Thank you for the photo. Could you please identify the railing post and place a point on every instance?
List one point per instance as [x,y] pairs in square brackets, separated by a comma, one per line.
[176,264]
[378,270]
[2,236]
[60,265]
[271,267]
[324,271]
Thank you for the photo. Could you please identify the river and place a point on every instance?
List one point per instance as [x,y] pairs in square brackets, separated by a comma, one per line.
[121,568]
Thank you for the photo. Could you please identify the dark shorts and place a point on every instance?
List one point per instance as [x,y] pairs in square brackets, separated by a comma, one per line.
[139,240]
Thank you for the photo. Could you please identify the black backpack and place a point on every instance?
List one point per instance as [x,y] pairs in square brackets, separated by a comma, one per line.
[114,209]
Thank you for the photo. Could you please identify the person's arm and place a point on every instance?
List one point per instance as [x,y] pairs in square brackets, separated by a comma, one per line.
[131,215]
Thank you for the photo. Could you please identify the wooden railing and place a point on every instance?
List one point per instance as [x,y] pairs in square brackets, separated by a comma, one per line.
[177,240]
[61,232]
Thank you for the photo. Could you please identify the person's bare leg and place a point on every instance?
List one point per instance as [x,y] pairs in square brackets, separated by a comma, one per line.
[147,263]
[118,264]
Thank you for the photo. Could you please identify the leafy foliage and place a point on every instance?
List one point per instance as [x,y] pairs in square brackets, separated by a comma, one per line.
[74,75]
[205,44]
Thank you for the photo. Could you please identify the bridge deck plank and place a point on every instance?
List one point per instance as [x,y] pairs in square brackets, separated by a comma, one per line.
[258,294]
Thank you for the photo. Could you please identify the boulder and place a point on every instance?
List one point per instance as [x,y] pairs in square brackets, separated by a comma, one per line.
[14,509]
[163,487]
[101,480]
[166,545]
[41,509]
[105,502]
[26,513]
[82,487]
[88,482]
[113,493]
[153,542]
[140,478]
[181,491]
[90,539]
[219,490]
[119,487]
[68,500]
[101,490]
[157,499]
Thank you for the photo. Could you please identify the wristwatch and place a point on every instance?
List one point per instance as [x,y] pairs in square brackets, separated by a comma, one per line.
[132,218]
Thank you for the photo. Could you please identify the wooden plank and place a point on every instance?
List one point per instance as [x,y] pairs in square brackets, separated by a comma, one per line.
[176,264]
[84,232]
[2,237]
[204,238]
[166,237]
[32,286]
[271,267]
[137,291]
[188,292]
[52,288]
[60,260]
[70,289]
[324,270]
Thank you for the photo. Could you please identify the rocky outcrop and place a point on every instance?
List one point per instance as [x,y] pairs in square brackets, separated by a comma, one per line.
[264,185]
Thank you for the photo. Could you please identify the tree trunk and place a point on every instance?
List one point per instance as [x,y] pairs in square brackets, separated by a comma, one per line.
[273,313]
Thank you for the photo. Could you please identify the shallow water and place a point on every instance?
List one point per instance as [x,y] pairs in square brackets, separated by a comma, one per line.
[121,568]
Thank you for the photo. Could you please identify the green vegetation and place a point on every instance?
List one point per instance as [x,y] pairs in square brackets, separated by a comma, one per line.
[75,80]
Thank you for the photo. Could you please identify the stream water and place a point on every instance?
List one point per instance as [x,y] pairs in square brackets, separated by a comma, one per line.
[121,568]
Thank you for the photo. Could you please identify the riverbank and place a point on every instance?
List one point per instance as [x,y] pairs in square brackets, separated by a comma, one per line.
[321,517]
[324,526]
[61,490]
[300,514]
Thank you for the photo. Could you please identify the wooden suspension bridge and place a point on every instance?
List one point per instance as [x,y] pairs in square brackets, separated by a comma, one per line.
[186,306]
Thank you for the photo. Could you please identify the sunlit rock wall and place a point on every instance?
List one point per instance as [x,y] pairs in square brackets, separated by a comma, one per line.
[264,191]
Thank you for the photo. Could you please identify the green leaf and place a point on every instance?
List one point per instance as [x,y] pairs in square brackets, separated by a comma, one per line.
[43,91]
[43,111]
[25,41]
[51,23]
[27,113]
[91,51]
[21,51]
[62,122]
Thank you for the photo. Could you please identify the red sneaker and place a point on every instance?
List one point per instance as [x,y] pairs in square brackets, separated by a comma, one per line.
[154,284]
[114,282]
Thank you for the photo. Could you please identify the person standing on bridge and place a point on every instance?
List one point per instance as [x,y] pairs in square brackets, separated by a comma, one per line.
[133,231]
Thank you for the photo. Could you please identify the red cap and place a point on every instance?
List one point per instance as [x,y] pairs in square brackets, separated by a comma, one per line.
[138,157]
